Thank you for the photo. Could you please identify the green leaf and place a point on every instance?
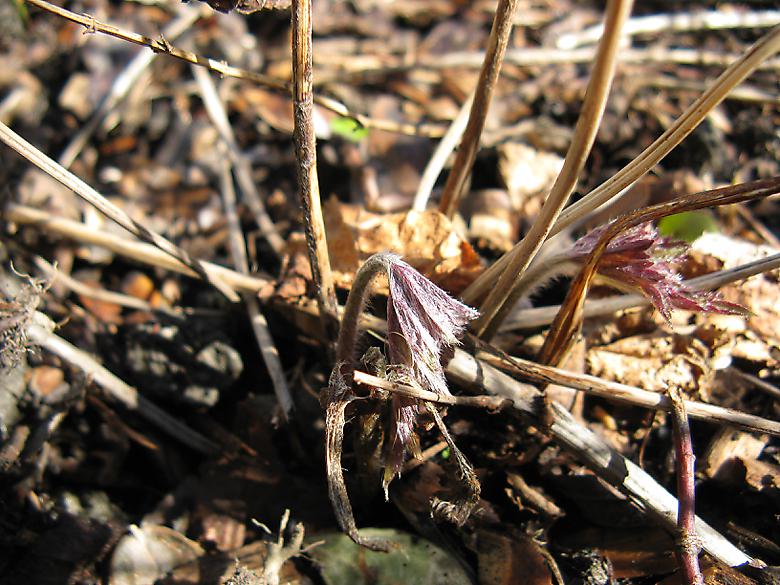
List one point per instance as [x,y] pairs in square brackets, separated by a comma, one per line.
[348,128]
[414,561]
[688,225]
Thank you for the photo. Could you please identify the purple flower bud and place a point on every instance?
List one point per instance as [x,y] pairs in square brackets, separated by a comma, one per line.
[641,259]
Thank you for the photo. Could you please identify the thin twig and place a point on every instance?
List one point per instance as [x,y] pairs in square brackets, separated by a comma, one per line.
[689,545]
[483,94]
[624,394]
[440,155]
[93,25]
[502,298]
[99,294]
[543,56]
[91,196]
[487,402]
[125,81]
[40,332]
[241,165]
[306,155]
[265,341]
[133,249]
[678,22]
[743,93]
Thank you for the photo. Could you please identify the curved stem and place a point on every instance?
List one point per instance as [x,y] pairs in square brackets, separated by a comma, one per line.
[339,395]
[358,294]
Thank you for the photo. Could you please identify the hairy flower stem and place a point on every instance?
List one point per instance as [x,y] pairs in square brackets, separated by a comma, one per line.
[339,395]
[689,544]
[376,265]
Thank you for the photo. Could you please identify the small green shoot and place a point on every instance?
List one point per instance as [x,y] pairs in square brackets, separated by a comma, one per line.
[688,225]
[349,128]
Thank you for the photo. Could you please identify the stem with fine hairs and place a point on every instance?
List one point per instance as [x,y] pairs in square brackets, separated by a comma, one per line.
[375,266]
[689,545]
[306,155]
[491,67]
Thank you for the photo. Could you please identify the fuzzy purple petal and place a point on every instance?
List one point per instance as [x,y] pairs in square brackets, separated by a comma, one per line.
[642,259]
[422,320]
[428,319]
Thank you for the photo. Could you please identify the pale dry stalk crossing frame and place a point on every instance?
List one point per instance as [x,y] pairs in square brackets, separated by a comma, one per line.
[684,125]
[306,154]
[111,211]
[497,304]
[439,157]
[483,94]
[139,251]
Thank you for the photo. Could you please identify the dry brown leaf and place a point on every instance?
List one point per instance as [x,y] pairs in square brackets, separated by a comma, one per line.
[425,240]
[653,362]
[729,446]
[150,552]
[758,337]
[529,175]
[503,560]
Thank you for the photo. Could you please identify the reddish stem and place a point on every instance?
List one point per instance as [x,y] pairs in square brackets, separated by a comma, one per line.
[689,545]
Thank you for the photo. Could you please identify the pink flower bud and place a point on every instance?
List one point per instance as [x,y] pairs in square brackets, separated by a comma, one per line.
[640,259]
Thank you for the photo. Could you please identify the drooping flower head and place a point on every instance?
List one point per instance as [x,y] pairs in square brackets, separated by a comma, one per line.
[642,260]
[422,320]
